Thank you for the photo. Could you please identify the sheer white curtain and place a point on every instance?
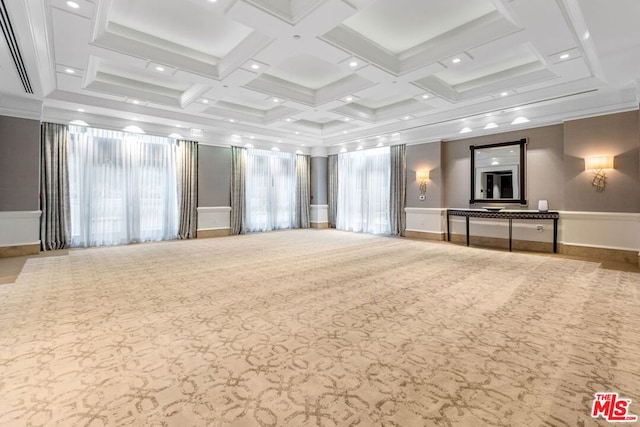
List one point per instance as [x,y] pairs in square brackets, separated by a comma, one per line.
[364,191]
[123,187]
[270,188]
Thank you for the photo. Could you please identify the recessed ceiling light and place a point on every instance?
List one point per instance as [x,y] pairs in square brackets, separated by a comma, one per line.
[564,56]
[349,98]
[133,129]
[465,130]
[135,119]
[178,125]
[213,1]
[279,141]
[406,117]
[519,120]
[159,68]
[252,137]
[346,119]
[288,119]
[300,144]
[232,120]
[81,110]
[586,35]
[73,5]
[353,64]
[275,100]
[345,132]
[297,133]
[205,101]
[425,96]
[255,66]
[456,60]
[69,71]
[491,126]
[135,101]
[504,94]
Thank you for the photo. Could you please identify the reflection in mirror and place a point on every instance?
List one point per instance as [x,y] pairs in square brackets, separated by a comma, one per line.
[497,173]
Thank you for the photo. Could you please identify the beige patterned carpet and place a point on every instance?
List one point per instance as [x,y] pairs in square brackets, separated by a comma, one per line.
[314,328]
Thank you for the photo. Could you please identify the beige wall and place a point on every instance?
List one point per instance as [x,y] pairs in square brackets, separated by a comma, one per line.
[544,166]
[615,135]
[424,157]
[19,164]
[214,176]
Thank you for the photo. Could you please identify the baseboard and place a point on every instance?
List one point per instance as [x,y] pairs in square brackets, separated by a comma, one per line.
[320,225]
[424,235]
[19,250]
[600,254]
[496,242]
[214,232]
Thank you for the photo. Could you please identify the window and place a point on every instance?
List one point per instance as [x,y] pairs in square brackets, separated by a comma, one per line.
[364,191]
[270,188]
[123,187]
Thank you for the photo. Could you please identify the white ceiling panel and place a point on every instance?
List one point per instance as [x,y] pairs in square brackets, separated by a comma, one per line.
[399,25]
[308,71]
[201,26]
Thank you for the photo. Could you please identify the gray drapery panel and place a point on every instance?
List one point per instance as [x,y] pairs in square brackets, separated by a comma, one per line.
[332,194]
[188,188]
[55,222]
[238,169]
[303,191]
[398,189]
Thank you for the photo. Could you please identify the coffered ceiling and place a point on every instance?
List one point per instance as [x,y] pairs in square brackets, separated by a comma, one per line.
[320,72]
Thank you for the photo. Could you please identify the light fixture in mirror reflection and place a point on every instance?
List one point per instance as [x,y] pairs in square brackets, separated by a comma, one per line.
[422,176]
[497,172]
[598,165]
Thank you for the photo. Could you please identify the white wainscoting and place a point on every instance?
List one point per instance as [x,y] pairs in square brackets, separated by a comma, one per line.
[319,214]
[523,229]
[606,230]
[426,220]
[20,228]
[214,218]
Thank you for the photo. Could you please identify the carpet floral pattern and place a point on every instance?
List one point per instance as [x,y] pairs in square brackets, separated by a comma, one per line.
[314,328]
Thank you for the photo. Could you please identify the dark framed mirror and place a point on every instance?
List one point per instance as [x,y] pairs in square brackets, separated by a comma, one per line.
[498,172]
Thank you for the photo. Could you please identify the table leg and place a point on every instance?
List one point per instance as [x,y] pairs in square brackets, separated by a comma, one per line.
[555,235]
[448,230]
[467,218]
[510,227]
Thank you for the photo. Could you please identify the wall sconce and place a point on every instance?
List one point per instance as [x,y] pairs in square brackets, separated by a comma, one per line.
[597,166]
[422,177]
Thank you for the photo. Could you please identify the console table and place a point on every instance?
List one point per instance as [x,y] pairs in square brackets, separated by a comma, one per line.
[510,215]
